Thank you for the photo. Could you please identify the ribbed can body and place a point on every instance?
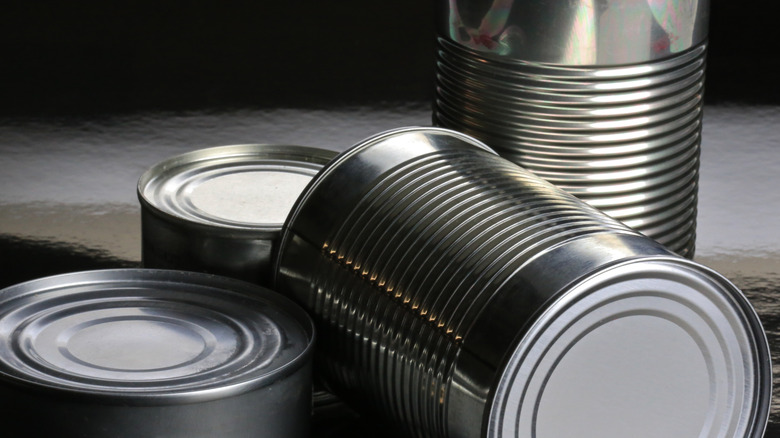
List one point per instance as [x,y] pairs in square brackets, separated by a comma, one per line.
[424,257]
[606,104]
[435,242]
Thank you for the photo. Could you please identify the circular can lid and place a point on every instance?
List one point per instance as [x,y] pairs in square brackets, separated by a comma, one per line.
[237,187]
[648,348]
[141,336]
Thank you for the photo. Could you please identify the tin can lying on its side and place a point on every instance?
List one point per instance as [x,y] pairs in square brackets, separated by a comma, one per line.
[458,295]
[153,353]
[220,210]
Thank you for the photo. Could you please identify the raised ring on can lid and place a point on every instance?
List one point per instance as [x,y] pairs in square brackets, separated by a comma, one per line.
[237,187]
[143,336]
[647,348]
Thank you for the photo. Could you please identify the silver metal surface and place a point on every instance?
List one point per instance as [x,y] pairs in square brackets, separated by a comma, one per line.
[220,210]
[652,344]
[603,99]
[137,352]
[579,32]
[457,294]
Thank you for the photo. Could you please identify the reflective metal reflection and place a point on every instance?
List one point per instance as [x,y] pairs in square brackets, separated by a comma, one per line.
[581,32]
[555,86]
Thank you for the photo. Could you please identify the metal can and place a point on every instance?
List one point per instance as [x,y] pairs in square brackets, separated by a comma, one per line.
[459,295]
[137,352]
[220,210]
[604,100]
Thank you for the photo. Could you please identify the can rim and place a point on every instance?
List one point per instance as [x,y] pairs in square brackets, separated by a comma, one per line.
[246,382]
[290,154]
[757,412]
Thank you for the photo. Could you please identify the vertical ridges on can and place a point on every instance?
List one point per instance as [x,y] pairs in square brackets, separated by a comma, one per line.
[412,265]
[623,138]
[445,280]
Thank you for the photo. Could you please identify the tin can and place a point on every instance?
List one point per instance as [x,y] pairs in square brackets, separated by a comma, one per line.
[604,101]
[137,352]
[459,295]
[220,210]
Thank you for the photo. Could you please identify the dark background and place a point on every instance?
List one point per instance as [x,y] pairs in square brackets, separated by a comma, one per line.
[93,57]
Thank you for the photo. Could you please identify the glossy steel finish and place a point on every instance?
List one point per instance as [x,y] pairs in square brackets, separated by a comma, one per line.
[577,33]
[220,210]
[137,352]
[457,294]
[644,347]
[593,97]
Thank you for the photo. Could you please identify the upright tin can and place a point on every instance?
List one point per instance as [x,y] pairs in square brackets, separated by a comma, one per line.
[153,353]
[603,99]
[458,295]
[220,210]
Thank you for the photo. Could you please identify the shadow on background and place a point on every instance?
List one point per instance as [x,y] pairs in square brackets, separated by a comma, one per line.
[92,57]
[32,259]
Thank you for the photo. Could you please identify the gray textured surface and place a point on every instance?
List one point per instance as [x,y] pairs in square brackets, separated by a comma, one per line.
[68,199]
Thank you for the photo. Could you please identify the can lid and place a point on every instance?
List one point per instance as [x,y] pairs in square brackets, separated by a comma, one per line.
[239,187]
[141,336]
[646,348]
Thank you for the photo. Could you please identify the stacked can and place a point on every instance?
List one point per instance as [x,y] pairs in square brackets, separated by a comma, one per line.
[458,295]
[603,99]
